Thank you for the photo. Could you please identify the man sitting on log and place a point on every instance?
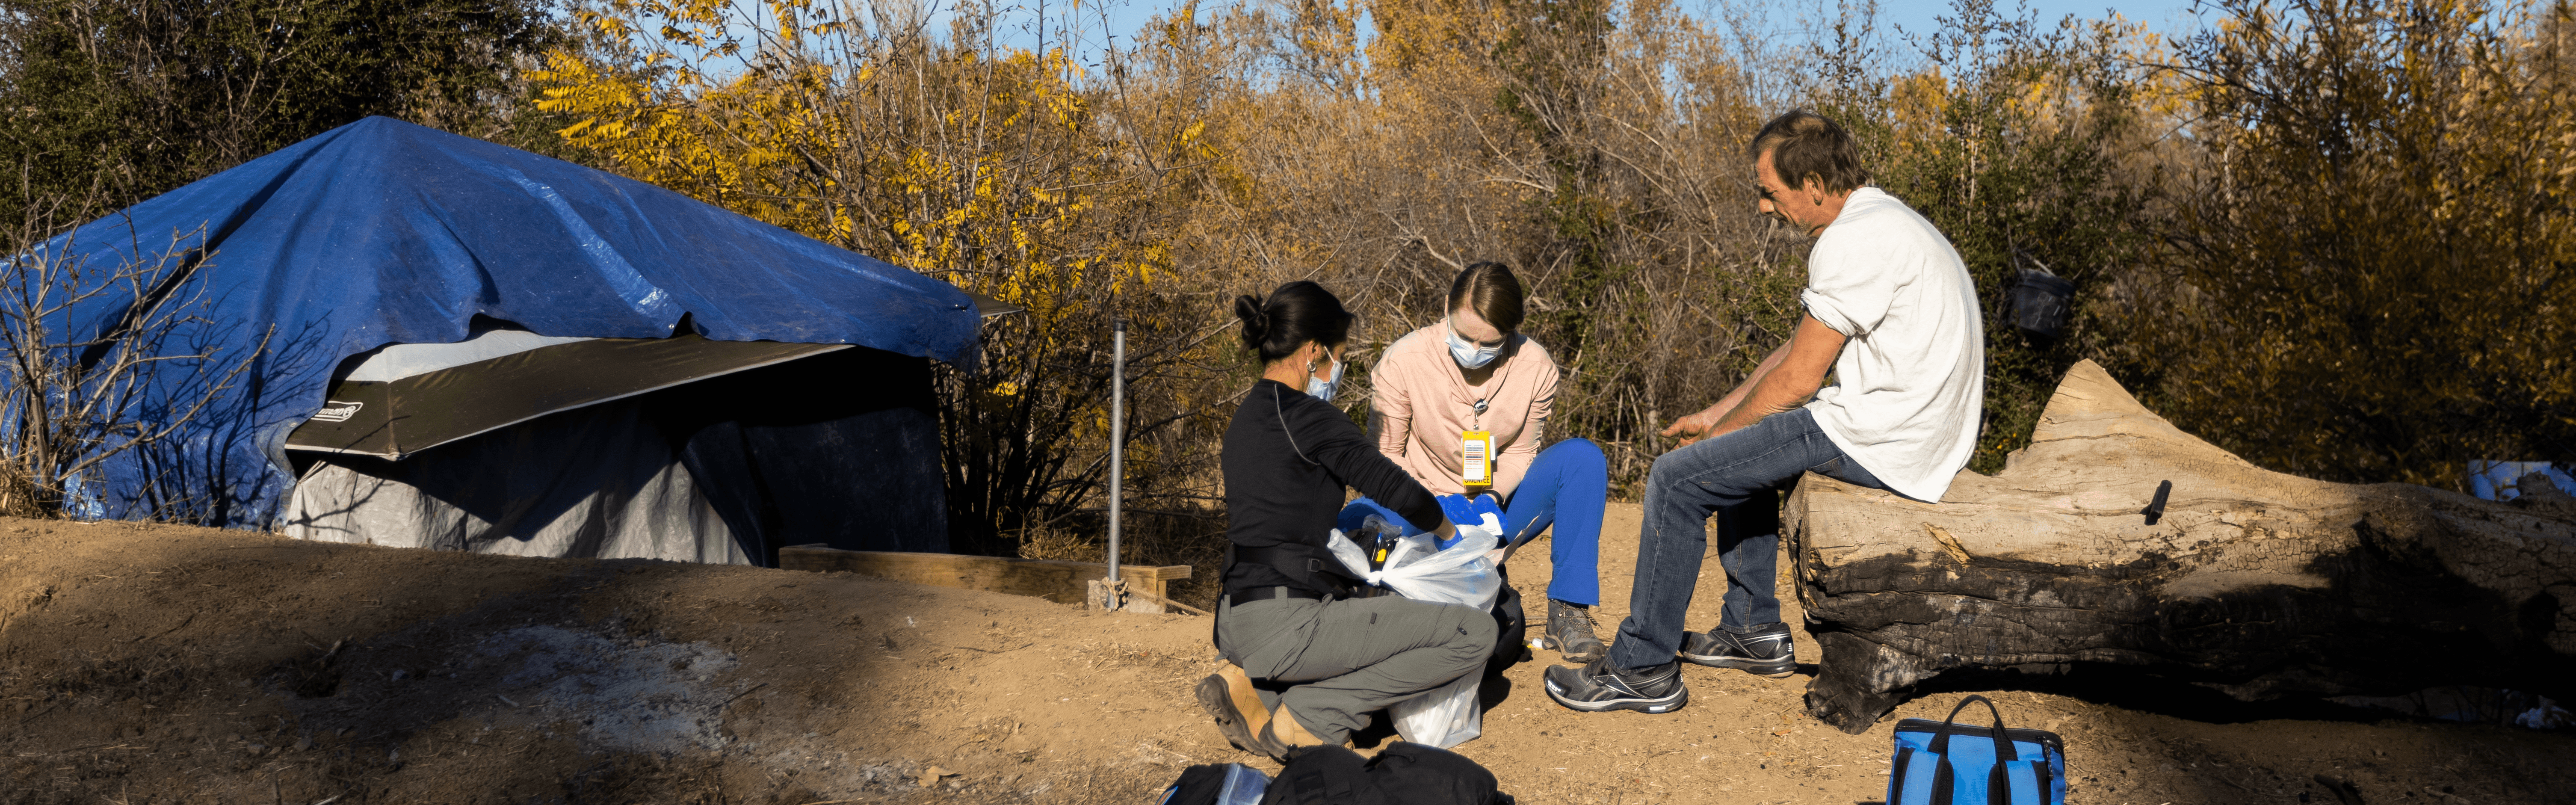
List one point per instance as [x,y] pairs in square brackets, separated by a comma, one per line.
[1890,307]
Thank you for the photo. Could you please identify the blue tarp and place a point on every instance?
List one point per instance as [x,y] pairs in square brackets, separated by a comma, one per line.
[383,232]
[2497,480]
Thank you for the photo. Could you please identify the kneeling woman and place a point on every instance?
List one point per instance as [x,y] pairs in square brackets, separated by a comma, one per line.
[1287,617]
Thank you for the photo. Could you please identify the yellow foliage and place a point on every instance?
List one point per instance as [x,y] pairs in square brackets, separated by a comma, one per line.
[990,170]
[972,187]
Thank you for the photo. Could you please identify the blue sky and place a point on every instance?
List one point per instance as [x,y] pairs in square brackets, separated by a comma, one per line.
[2169,17]
[1026,21]
[2162,16]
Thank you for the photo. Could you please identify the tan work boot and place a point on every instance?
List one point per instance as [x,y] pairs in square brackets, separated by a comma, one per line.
[1227,695]
[1284,733]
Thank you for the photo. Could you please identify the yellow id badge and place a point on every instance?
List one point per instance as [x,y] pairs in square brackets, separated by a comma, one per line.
[1476,461]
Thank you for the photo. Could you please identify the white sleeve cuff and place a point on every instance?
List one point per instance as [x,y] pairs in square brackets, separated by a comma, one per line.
[1822,307]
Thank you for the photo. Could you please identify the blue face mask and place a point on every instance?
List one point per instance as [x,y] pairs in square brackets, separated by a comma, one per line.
[1468,353]
[1323,389]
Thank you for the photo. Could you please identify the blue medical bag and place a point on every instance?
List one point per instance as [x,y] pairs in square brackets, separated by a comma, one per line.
[1947,763]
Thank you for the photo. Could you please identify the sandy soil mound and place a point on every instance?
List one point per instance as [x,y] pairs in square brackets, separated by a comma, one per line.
[145,663]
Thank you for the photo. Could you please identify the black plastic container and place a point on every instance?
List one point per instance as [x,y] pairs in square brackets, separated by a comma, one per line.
[2040,300]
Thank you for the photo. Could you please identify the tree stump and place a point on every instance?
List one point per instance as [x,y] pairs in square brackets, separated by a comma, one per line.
[2252,582]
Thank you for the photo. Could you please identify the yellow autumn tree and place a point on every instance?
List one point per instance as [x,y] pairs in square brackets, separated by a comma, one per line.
[991,168]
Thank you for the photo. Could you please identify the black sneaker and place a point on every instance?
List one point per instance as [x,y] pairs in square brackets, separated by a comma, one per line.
[1569,632]
[1765,652]
[1597,687]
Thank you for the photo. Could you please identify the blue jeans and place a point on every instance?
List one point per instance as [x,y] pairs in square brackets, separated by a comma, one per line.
[1736,478]
[1567,487]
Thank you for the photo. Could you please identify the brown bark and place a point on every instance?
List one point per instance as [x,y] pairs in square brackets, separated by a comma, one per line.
[2253,582]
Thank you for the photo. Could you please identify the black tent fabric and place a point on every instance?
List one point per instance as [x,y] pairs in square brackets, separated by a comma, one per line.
[789,445]
[839,448]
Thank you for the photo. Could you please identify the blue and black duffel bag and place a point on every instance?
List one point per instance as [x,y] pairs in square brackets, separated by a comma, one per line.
[1947,763]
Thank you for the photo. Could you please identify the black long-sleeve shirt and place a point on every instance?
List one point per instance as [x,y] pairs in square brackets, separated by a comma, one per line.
[1287,457]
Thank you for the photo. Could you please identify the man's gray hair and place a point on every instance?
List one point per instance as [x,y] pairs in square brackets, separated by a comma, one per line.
[1805,145]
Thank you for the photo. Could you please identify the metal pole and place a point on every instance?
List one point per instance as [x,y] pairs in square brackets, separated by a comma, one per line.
[1117,437]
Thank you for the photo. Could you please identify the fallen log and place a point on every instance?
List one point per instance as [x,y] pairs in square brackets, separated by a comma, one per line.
[2255,583]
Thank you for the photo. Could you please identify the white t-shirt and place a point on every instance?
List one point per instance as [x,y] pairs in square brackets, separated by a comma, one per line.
[1912,377]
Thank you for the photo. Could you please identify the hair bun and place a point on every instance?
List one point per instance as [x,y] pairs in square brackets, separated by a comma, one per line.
[1256,324]
[1291,317]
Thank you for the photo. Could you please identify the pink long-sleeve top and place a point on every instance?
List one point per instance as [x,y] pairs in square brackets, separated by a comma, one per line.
[1421,403]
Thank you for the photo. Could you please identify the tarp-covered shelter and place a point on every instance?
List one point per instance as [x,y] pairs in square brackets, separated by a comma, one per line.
[474,347]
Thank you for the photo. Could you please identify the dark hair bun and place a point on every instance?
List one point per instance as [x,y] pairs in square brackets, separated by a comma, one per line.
[1256,325]
[1294,314]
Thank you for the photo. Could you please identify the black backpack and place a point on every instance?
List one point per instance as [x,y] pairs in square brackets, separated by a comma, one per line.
[1511,635]
[1403,773]
[1205,784]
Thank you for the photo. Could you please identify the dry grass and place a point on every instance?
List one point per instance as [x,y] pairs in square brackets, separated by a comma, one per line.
[1146,538]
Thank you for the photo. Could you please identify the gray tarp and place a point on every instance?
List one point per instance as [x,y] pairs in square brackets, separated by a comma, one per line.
[512,492]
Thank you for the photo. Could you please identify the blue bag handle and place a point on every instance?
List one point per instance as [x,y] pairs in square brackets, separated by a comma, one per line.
[1998,783]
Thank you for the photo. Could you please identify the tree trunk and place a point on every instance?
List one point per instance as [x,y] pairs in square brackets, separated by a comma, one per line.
[2253,582]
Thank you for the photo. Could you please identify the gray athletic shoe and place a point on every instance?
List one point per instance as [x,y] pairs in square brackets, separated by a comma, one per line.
[1597,687]
[1569,632]
[1766,651]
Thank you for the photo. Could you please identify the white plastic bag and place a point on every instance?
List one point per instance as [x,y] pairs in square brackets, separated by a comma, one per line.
[2548,715]
[1418,569]
[1460,574]
[1445,717]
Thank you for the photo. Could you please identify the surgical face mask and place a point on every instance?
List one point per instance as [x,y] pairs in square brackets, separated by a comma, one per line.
[1323,389]
[1468,353]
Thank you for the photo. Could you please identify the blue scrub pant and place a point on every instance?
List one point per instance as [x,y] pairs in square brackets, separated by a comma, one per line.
[1567,487]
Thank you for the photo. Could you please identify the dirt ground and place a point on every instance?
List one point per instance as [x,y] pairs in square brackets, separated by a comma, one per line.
[161,664]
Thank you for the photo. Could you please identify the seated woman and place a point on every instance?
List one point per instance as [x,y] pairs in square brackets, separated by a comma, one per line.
[1287,615]
[1472,372]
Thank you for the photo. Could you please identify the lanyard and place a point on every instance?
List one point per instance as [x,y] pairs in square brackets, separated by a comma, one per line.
[1493,384]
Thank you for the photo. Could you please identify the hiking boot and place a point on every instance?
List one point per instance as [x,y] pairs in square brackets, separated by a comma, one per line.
[1227,695]
[1284,734]
[1597,687]
[1765,651]
[1569,632]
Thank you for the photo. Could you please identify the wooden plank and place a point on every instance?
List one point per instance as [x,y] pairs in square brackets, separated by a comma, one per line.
[1058,581]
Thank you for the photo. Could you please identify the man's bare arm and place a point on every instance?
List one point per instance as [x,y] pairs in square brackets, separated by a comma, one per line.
[1811,354]
[1693,427]
[1706,422]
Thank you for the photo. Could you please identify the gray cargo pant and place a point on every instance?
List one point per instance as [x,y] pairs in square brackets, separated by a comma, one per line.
[1350,657]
